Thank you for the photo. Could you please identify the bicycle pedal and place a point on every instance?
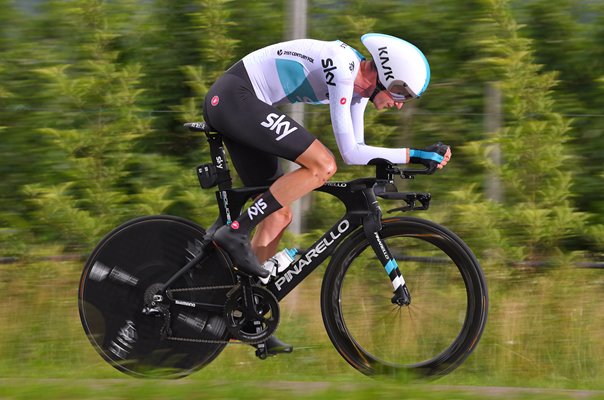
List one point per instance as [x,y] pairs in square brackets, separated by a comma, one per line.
[272,347]
[261,351]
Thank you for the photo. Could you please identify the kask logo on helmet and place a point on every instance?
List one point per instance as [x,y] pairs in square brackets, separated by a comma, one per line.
[384,59]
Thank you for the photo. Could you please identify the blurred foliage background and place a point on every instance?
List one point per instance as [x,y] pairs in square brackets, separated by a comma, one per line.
[93,95]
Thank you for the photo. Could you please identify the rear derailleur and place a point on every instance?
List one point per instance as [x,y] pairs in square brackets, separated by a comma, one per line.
[154,306]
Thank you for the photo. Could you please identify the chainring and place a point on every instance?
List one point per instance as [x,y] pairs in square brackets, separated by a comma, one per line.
[251,323]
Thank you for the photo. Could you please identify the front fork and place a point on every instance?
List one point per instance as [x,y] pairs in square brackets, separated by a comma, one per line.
[372,225]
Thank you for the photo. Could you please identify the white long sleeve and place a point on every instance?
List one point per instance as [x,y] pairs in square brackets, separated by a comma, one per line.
[348,126]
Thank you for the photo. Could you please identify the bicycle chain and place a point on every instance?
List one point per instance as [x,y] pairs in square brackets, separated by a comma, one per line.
[200,288]
[208,341]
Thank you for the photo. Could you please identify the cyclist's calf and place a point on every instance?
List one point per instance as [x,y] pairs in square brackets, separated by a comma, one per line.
[282,217]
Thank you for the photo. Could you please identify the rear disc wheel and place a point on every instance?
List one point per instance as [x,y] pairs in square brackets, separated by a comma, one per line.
[121,276]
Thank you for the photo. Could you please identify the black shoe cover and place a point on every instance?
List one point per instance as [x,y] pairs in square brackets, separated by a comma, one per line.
[239,248]
[276,346]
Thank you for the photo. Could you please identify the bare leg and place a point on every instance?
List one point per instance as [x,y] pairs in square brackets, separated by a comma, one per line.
[317,166]
[269,232]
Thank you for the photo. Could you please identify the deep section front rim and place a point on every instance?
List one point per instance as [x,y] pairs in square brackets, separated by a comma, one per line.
[441,326]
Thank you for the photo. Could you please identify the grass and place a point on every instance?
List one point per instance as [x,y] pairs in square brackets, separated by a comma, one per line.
[195,389]
[545,330]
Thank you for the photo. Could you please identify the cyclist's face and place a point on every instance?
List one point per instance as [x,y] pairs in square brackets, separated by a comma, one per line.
[365,84]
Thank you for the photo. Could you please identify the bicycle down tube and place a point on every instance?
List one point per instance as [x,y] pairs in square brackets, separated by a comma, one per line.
[361,210]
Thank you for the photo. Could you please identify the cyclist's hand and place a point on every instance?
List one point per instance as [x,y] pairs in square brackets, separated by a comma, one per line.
[435,156]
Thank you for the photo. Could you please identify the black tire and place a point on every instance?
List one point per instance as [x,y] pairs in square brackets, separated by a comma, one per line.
[124,267]
[430,337]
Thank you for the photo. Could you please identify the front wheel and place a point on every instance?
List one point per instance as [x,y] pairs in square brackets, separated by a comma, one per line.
[436,332]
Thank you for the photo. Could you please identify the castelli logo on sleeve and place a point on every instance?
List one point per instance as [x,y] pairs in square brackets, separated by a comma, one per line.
[343,100]
[235,225]
[215,101]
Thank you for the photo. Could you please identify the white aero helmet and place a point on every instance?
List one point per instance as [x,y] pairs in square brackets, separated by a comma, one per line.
[402,68]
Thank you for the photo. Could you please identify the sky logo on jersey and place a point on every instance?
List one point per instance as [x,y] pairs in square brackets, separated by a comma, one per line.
[327,68]
[274,122]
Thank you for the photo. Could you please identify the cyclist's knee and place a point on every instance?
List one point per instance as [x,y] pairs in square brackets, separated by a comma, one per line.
[319,161]
[328,166]
[323,167]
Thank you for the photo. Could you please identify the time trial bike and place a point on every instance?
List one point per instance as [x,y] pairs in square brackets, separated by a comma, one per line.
[157,298]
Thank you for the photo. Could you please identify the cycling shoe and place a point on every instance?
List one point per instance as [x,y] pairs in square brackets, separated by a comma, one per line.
[276,346]
[238,246]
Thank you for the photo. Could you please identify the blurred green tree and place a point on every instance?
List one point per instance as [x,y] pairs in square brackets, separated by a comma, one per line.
[14,169]
[164,55]
[94,139]
[537,214]
[568,39]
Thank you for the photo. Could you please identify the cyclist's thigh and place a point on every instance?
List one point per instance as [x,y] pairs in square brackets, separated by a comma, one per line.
[255,168]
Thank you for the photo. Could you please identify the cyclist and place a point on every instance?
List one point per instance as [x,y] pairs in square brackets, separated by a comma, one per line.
[241,105]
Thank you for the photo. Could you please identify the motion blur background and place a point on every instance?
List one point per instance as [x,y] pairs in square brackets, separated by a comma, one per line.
[93,95]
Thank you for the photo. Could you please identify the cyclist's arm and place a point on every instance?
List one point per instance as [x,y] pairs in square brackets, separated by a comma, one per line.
[347,120]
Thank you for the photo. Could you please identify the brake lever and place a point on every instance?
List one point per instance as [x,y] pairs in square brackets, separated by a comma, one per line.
[411,200]
[386,170]
[410,173]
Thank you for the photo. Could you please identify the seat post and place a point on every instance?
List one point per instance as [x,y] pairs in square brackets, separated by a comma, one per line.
[220,161]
